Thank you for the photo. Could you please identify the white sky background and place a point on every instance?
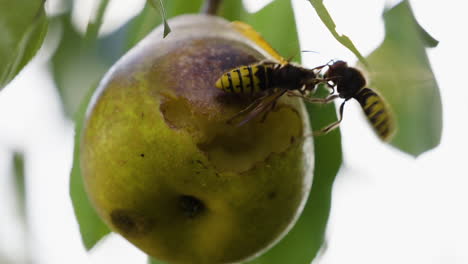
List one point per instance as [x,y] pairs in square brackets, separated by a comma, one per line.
[387,207]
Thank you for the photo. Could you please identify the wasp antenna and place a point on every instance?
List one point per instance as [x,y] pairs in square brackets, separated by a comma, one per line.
[313,51]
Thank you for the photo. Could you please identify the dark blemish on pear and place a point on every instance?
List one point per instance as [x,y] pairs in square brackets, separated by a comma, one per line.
[130,223]
[272,195]
[191,206]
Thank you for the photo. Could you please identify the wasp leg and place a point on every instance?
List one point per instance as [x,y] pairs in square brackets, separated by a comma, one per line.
[332,126]
[326,100]
[319,68]
[303,89]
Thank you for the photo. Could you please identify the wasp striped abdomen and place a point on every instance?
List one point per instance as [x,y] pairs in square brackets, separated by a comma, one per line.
[250,79]
[377,112]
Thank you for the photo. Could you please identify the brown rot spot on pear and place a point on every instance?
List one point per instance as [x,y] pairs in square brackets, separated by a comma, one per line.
[272,195]
[191,206]
[193,69]
[130,223]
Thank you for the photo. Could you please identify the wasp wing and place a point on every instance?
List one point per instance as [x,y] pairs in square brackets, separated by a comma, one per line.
[249,32]
[262,105]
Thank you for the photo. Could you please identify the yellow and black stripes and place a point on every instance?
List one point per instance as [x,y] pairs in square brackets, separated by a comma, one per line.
[249,79]
[377,112]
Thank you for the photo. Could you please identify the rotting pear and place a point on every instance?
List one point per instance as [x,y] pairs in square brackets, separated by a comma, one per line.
[165,170]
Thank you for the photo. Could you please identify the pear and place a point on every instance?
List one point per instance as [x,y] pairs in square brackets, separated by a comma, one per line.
[164,169]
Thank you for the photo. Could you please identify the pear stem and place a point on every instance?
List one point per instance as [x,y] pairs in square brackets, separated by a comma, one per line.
[211,7]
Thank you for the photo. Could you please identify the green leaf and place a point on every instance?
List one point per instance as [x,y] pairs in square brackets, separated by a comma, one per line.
[148,19]
[401,71]
[178,7]
[18,166]
[277,25]
[141,25]
[326,18]
[92,228]
[232,10]
[276,17]
[302,243]
[78,63]
[23,25]
[92,30]
[158,5]
[154,261]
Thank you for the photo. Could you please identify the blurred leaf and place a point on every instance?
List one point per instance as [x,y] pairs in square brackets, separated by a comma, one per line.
[18,166]
[154,261]
[401,71]
[277,25]
[232,10]
[78,63]
[23,25]
[148,19]
[276,17]
[20,203]
[92,30]
[141,25]
[92,228]
[179,7]
[302,243]
[158,5]
[322,12]
[430,41]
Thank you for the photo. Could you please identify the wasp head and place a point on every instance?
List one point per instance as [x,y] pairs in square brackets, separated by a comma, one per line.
[347,80]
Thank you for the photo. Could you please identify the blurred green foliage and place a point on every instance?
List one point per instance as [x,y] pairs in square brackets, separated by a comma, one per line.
[401,71]
[158,5]
[19,170]
[78,62]
[327,20]
[95,23]
[23,25]
[18,166]
[149,18]
[277,16]
[154,261]
[92,228]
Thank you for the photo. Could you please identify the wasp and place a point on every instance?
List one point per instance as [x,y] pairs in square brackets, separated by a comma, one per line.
[267,79]
[350,83]
[272,79]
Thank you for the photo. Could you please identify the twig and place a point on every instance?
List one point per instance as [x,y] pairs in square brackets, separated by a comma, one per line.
[211,7]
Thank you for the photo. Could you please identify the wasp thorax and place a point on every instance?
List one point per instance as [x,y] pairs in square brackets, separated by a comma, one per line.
[348,80]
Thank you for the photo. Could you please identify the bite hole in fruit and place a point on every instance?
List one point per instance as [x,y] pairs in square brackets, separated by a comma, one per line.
[191,206]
